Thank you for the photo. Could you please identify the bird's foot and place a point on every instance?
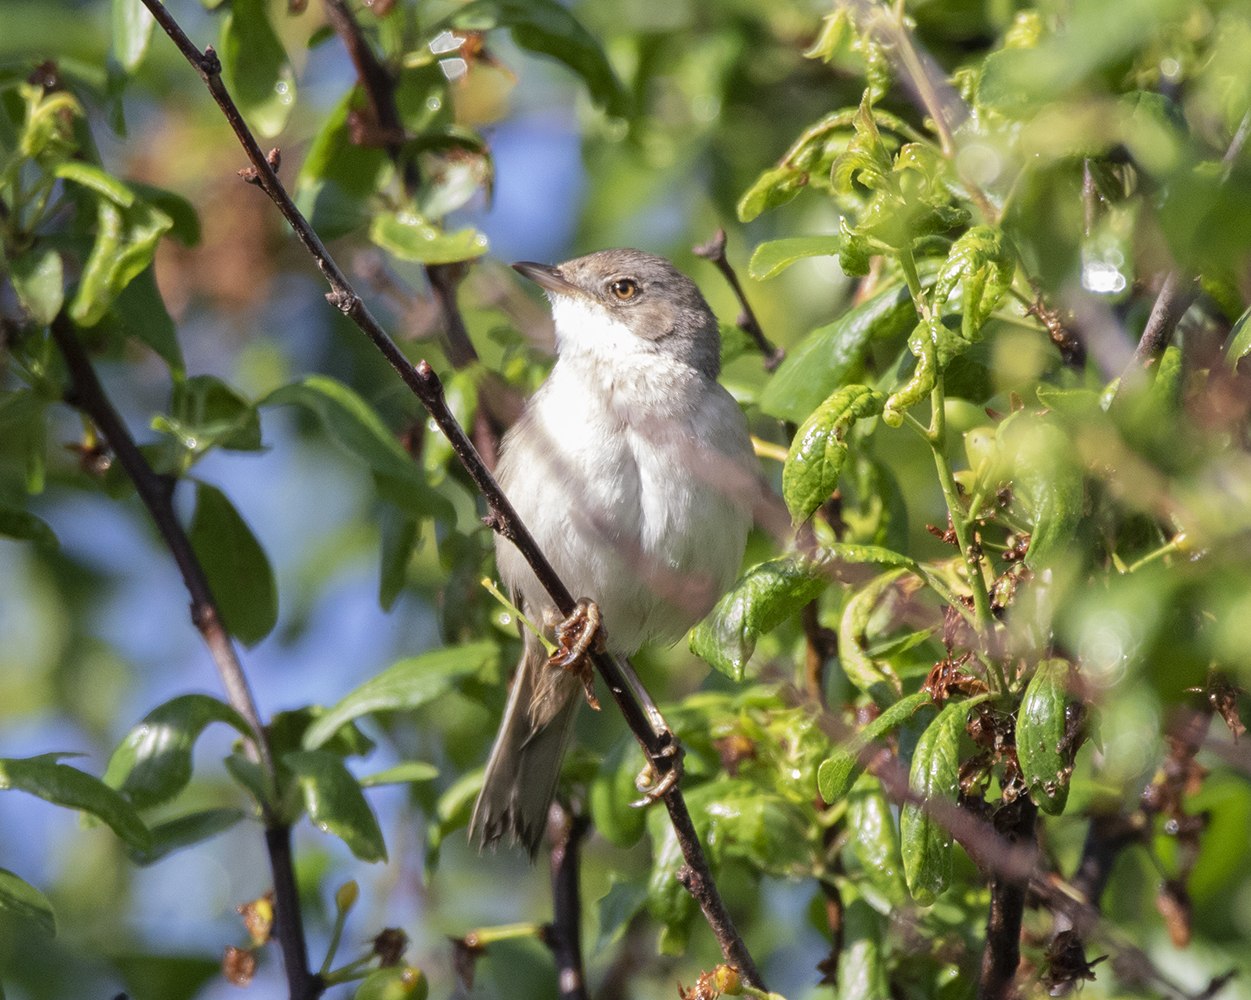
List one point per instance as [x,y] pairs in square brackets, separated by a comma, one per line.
[661,773]
[576,636]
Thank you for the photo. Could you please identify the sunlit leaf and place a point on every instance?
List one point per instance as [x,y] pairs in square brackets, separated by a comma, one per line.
[186,831]
[776,256]
[132,28]
[766,596]
[1044,745]
[38,281]
[153,762]
[255,68]
[819,450]
[410,237]
[839,772]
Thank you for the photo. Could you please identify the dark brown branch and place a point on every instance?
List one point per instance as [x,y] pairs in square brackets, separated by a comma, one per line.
[714,251]
[1002,952]
[564,934]
[156,492]
[659,746]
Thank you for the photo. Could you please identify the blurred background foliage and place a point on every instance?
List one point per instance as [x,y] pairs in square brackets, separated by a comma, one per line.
[1026,174]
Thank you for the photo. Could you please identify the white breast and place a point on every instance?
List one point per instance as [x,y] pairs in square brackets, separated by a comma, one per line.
[637,480]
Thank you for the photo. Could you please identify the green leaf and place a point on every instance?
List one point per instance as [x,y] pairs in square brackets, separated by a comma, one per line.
[865,160]
[255,67]
[840,770]
[844,552]
[411,237]
[185,831]
[776,256]
[406,685]
[22,524]
[776,186]
[874,844]
[548,28]
[236,566]
[356,427]
[67,786]
[611,792]
[205,413]
[125,242]
[981,266]
[338,177]
[766,596]
[186,227]
[818,451]
[409,773]
[38,281]
[832,354]
[617,908]
[1044,745]
[1047,481]
[1239,340]
[866,673]
[143,316]
[934,777]
[399,541]
[22,900]
[861,962]
[153,763]
[132,28]
[96,179]
[396,982]
[335,802]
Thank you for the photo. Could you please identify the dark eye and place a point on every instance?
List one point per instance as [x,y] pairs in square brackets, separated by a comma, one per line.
[624,288]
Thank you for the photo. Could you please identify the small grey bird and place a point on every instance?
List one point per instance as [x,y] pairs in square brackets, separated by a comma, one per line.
[634,471]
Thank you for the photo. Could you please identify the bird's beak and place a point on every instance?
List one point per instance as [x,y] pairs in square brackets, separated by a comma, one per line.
[546,277]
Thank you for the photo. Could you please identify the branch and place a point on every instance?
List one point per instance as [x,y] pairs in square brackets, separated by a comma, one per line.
[658,744]
[1002,952]
[714,251]
[156,492]
[564,934]
[379,86]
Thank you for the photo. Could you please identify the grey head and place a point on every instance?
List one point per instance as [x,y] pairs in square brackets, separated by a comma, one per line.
[645,293]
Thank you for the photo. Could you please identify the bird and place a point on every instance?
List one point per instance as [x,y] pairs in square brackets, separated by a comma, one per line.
[634,471]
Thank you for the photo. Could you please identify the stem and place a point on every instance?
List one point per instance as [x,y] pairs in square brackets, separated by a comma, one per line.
[659,745]
[1172,545]
[937,436]
[564,934]
[714,251]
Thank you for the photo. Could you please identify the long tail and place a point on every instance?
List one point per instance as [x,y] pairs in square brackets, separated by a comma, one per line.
[525,761]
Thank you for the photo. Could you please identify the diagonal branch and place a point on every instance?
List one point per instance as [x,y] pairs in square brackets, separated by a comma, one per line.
[658,744]
[156,492]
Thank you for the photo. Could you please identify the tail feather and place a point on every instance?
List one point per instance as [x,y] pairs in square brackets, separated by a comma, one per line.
[525,762]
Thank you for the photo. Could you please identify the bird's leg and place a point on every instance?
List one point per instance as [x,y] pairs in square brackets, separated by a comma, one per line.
[575,637]
[662,771]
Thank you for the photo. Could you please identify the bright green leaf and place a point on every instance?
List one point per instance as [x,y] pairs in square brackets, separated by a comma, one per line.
[874,843]
[766,596]
[818,451]
[840,770]
[776,256]
[132,28]
[205,413]
[866,673]
[410,237]
[861,962]
[335,802]
[153,763]
[255,68]
[406,685]
[96,179]
[20,899]
[237,568]
[67,786]
[125,243]
[409,773]
[397,982]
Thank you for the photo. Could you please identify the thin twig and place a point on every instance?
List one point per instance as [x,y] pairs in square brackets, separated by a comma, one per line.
[156,492]
[658,746]
[564,934]
[714,251]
